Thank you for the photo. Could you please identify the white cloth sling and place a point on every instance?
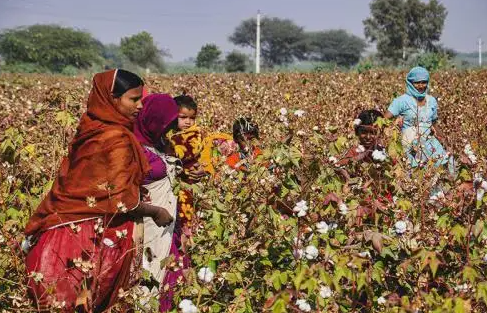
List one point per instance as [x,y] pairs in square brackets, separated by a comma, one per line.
[157,240]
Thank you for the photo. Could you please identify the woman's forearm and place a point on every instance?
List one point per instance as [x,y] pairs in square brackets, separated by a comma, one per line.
[144,210]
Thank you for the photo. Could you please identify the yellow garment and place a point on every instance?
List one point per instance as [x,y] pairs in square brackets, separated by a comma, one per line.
[207,159]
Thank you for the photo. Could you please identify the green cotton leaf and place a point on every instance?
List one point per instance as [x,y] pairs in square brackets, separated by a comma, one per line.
[65,118]
[283,278]
[216,218]
[459,232]
[461,306]
[279,306]
[361,280]
[295,156]
[276,280]
[213,265]
[482,292]
[404,204]
[215,308]
[465,175]
[340,143]
[13,213]
[478,228]
[443,221]
[470,274]
[378,272]
[233,278]
[298,279]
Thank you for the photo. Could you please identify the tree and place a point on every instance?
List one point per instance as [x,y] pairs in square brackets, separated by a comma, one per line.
[141,50]
[208,56]
[236,62]
[282,40]
[335,46]
[50,46]
[400,26]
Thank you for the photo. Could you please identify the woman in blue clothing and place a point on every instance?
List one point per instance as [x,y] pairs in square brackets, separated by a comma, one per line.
[419,112]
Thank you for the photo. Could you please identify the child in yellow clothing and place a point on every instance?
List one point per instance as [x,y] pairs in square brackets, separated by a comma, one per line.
[187,144]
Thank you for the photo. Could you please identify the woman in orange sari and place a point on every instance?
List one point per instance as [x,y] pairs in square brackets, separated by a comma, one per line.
[82,252]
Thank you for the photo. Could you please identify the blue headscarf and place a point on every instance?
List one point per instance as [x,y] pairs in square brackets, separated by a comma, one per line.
[417,74]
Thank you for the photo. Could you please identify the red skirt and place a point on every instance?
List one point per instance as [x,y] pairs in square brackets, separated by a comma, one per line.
[72,266]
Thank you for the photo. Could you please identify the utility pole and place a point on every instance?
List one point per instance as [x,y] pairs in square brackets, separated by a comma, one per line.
[257,45]
[480,52]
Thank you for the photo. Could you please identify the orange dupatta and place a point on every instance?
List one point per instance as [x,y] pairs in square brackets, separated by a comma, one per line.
[103,170]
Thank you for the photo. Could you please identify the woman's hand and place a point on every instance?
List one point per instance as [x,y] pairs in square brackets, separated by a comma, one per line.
[162,218]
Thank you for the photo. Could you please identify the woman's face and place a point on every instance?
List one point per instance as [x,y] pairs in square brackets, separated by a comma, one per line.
[420,86]
[130,103]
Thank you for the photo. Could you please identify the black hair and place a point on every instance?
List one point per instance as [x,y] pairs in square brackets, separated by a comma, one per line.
[124,81]
[367,118]
[243,126]
[185,101]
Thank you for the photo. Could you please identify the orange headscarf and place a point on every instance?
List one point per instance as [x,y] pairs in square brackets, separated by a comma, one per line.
[103,170]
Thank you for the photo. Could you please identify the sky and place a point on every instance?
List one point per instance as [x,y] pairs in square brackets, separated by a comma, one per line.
[182,27]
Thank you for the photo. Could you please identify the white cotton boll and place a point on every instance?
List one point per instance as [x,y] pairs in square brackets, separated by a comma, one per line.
[322,227]
[301,208]
[483,185]
[360,149]
[311,252]
[283,111]
[315,128]
[343,208]
[381,300]
[299,113]
[357,122]
[325,292]
[205,274]
[300,133]
[187,306]
[332,159]
[365,255]
[303,305]
[400,227]
[379,155]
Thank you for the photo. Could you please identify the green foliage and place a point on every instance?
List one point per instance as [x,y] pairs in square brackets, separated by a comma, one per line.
[335,46]
[142,51]
[282,41]
[434,61]
[400,27]
[236,62]
[49,46]
[208,57]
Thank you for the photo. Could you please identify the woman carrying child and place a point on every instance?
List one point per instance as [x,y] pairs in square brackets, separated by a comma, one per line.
[84,252]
